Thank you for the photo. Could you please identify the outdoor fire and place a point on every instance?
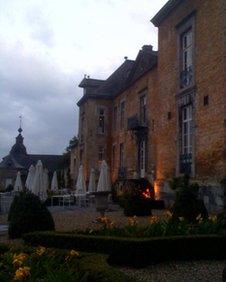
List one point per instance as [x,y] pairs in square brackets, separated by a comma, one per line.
[146,193]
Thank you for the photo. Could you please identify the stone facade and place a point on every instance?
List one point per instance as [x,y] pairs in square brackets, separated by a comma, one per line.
[184,86]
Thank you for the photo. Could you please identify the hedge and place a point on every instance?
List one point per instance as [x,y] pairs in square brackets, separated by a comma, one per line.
[3,248]
[136,252]
[97,269]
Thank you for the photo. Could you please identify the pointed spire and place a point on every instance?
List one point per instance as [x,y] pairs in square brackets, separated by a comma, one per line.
[18,147]
[20,128]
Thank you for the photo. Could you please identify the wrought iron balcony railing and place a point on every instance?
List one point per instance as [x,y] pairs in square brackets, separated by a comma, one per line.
[186,77]
[185,163]
[134,123]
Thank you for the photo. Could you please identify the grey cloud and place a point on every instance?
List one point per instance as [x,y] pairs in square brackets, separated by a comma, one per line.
[45,96]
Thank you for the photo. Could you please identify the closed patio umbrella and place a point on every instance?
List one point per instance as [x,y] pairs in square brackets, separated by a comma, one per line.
[104,184]
[18,187]
[38,182]
[54,182]
[30,178]
[91,186]
[80,184]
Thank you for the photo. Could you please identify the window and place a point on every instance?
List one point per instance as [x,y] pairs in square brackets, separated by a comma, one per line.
[143,99]
[81,155]
[186,58]
[101,153]
[122,115]
[115,113]
[82,124]
[113,155]
[142,155]
[186,129]
[206,100]
[186,139]
[101,121]
[121,155]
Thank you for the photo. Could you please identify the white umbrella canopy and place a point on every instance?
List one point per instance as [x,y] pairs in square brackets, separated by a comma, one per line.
[91,186]
[54,182]
[38,182]
[18,187]
[104,184]
[30,178]
[80,184]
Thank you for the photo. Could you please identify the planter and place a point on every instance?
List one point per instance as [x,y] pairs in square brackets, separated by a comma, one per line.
[101,201]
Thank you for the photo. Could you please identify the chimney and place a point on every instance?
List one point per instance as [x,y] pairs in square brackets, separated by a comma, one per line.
[147,48]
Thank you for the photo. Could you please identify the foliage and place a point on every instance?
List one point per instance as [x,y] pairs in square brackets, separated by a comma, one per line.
[3,248]
[27,214]
[137,252]
[187,204]
[51,265]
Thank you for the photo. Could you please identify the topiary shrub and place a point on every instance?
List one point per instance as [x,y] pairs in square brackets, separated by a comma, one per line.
[187,204]
[27,214]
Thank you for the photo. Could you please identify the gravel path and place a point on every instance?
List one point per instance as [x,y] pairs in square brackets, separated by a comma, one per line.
[189,271]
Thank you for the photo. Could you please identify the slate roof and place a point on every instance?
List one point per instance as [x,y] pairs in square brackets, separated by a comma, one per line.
[165,11]
[145,61]
[121,78]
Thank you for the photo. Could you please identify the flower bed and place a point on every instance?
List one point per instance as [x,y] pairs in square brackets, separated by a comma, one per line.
[45,264]
[163,239]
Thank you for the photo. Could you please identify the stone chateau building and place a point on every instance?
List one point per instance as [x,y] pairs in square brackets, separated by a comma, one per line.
[163,114]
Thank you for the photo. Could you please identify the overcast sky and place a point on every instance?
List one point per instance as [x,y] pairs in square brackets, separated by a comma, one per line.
[46,47]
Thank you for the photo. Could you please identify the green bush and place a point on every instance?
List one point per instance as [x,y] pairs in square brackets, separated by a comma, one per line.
[45,264]
[187,204]
[27,214]
[3,248]
[137,252]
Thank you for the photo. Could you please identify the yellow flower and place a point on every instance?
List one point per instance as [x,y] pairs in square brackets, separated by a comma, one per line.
[22,273]
[153,219]
[72,254]
[133,221]
[40,251]
[213,218]
[169,214]
[19,259]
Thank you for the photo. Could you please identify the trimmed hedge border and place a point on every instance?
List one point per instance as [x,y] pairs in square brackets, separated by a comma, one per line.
[3,248]
[136,252]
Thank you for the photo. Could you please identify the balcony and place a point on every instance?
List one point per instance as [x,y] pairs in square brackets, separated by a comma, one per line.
[134,123]
[186,77]
[185,163]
